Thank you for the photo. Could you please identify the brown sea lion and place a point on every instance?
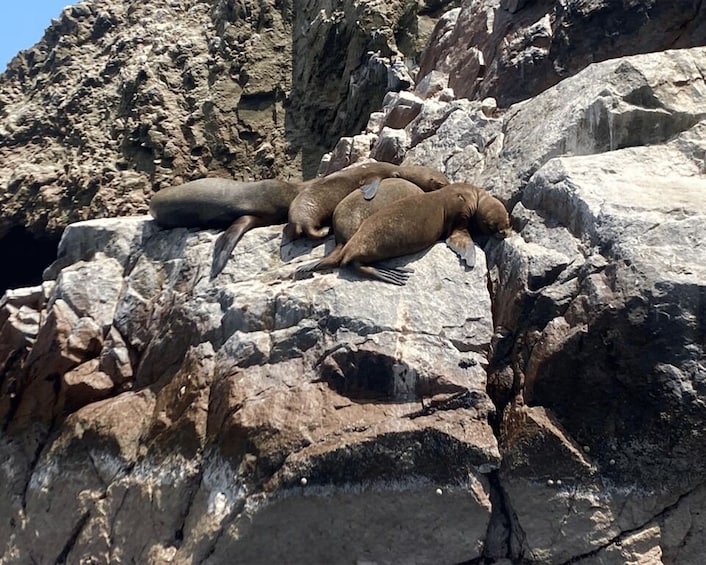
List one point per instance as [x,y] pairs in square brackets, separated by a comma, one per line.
[224,203]
[313,208]
[416,222]
[354,209]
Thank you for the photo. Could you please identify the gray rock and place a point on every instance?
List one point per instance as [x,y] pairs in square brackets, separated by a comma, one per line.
[316,382]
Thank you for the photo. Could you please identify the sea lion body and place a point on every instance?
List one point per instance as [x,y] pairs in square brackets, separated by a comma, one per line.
[220,203]
[313,208]
[415,223]
[217,203]
[354,208]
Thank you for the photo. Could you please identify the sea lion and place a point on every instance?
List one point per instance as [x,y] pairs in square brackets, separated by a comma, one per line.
[354,209]
[313,207]
[220,203]
[416,222]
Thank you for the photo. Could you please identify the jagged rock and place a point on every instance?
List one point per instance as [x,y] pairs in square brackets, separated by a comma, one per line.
[611,105]
[402,109]
[514,50]
[391,145]
[273,380]
[341,408]
[599,293]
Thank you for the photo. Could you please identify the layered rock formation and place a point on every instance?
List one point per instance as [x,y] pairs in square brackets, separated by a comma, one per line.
[546,406]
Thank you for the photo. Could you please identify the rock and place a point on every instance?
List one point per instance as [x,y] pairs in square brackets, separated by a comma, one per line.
[464,415]
[612,105]
[402,109]
[270,380]
[392,144]
[514,50]
[83,385]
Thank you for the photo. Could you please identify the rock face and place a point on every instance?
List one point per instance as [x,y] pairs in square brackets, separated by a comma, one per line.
[260,402]
[515,49]
[546,406]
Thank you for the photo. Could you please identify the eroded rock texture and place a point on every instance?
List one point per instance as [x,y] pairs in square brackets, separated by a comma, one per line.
[546,406]
[223,396]
[515,49]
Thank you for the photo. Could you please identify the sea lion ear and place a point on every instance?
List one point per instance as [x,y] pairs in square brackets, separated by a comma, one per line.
[371,189]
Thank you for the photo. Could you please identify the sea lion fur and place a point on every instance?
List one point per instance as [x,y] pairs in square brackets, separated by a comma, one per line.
[415,223]
[311,211]
[219,203]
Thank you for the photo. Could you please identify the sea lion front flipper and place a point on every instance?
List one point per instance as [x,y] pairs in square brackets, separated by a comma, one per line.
[227,241]
[461,242]
[386,274]
[370,189]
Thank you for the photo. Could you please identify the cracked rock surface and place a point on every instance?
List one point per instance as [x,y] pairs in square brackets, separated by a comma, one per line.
[546,406]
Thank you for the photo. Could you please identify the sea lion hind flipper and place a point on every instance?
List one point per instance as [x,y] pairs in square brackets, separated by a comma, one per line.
[307,268]
[330,261]
[461,243]
[370,189]
[389,275]
[227,241]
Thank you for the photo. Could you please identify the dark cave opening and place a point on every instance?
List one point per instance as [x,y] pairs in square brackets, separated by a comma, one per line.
[24,257]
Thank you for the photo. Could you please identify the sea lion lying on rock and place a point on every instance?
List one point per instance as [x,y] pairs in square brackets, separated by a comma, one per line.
[313,207]
[414,223]
[224,203]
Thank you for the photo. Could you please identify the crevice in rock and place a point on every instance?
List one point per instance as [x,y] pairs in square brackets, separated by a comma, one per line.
[622,535]
[193,490]
[466,399]
[25,256]
[12,376]
[112,522]
[61,559]
[221,532]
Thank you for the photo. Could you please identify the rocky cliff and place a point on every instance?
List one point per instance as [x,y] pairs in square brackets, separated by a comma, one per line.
[546,406]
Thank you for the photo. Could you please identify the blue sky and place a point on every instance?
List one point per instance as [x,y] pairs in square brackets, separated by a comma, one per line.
[22,24]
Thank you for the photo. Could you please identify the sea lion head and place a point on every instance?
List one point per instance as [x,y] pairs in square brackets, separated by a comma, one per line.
[492,218]
[426,178]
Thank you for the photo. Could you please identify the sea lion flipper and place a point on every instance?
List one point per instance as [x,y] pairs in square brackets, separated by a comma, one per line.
[370,189]
[461,242]
[227,241]
[305,269]
[386,274]
[331,260]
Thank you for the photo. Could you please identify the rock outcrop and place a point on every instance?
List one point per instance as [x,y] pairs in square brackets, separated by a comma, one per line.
[546,406]
[245,388]
[515,49]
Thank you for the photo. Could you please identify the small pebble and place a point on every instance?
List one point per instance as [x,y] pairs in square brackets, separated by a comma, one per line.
[550,483]
[612,461]
[439,491]
[558,482]
[586,449]
[303,481]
